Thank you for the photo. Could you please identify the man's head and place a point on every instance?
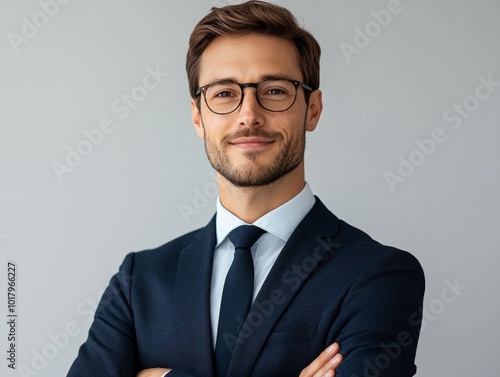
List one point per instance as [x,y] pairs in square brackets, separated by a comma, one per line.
[254,135]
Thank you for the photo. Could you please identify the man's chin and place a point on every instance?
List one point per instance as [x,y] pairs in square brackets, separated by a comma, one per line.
[250,182]
[252,175]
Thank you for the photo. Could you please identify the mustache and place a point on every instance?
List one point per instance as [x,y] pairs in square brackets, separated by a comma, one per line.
[251,132]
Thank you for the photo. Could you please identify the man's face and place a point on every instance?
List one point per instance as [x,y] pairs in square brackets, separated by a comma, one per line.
[253,146]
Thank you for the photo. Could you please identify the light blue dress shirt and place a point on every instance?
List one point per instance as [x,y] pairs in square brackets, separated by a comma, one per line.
[279,225]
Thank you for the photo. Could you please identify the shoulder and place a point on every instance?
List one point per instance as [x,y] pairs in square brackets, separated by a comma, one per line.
[171,247]
[355,250]
[164,255]
[372,257]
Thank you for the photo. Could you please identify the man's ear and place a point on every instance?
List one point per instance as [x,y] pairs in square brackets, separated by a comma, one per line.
[314,109]
[197,120]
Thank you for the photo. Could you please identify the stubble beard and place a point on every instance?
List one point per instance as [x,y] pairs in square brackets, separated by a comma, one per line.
[253,173]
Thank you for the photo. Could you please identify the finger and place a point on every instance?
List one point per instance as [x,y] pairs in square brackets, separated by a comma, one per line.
[153,372]
[320,361]
[329,368]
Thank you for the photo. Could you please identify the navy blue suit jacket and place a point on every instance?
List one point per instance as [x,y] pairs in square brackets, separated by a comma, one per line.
[331,283]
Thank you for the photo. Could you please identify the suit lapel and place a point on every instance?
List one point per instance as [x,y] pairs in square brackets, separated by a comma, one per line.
[310,244]
[192,296]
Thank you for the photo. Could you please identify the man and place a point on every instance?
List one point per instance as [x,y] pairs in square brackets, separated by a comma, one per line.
[280,305]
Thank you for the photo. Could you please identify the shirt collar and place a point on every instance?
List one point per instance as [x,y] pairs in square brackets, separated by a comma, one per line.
[280,222]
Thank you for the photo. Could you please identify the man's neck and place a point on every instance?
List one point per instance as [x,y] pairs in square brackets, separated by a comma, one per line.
[251,203]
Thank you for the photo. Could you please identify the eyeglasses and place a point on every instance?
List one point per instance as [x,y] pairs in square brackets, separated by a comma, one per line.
[277,95]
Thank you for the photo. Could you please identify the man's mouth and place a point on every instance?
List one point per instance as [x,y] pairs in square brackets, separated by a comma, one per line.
[251,142]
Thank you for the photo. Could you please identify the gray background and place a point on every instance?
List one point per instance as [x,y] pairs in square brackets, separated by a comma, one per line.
[128,194]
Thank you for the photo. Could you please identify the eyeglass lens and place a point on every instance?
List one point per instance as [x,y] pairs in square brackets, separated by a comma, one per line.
[273,95]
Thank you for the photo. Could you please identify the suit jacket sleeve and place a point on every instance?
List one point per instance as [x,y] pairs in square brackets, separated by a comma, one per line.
[379,321]
[111,347]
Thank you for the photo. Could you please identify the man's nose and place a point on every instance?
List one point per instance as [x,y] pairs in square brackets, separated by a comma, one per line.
[250,111]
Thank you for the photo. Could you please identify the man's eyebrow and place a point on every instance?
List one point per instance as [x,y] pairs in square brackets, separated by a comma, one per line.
[222,80]
[274,76]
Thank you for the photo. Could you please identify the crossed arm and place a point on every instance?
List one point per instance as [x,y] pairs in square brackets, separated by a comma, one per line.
[324,365]
[379,322]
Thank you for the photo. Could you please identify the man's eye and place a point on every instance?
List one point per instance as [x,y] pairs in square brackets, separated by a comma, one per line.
[275,91]
[224,94]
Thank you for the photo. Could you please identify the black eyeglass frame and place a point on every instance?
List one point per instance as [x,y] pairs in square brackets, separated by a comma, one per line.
[295,83]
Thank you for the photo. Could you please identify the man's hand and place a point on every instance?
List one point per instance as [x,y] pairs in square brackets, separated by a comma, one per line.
[325,364]
[153,372]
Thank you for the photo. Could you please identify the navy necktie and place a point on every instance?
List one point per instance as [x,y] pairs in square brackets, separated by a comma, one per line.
[236,295]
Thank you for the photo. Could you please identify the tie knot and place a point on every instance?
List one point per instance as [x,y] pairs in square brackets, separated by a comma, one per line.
[245,236]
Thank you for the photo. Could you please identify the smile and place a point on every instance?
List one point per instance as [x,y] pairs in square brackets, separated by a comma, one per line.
[251,142]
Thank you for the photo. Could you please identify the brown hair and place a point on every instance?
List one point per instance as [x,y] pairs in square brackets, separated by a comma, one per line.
[256,17]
